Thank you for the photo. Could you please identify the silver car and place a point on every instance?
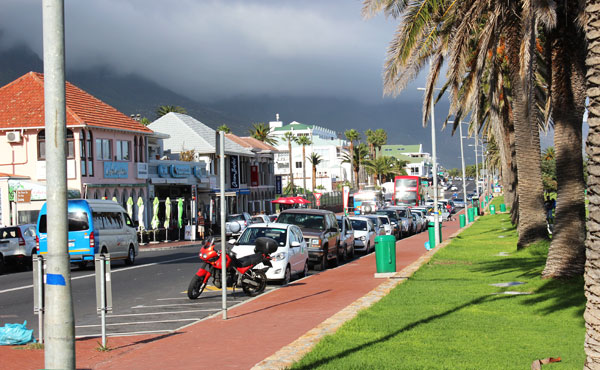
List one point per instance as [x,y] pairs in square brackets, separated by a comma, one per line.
[364,234]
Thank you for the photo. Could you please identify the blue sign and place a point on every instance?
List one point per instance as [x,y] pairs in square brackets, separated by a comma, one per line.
[163,170]
[199,172]
[116,170]
[180,171]
[278,185]
[234,172]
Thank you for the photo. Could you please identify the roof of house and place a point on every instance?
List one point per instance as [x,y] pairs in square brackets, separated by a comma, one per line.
[22,106]
[294,126]
[394,150]
[188,133]
[250,142]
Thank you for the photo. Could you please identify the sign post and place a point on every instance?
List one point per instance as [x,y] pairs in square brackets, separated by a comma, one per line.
[346,195]
[38,293]
[317,199]
[103,290]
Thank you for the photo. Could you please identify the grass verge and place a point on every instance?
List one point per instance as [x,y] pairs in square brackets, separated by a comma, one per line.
[448,316]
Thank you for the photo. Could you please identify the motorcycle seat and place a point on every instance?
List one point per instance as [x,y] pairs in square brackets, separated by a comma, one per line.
[253,259]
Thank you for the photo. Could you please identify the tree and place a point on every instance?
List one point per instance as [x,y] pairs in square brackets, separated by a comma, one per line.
[261,131]
[224,128]
[548,154]
[314,160]
[592,242]
[290,138]
[357,158]
[164,109]
[304,141]
[384,167]
[145,121]
[352,136]
[187,155]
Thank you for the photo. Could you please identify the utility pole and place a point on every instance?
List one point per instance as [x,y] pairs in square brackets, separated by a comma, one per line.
[223,215]
[476,168]
[59,351]
[464,179]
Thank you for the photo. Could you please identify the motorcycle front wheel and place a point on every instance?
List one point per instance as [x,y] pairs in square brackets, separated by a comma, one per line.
[254,283]
[196,287]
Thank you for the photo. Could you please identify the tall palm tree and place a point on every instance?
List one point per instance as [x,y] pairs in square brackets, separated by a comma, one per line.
[382,167]
[314,160]
[304,141]
[224,128]
[261,131]
[164,109]
[357,158]
[290,138]
[352,136]
[592,242]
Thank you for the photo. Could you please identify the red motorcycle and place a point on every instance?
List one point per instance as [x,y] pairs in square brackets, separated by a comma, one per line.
[240,271]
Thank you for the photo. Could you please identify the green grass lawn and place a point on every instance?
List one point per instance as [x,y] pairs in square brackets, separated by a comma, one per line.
[448,316]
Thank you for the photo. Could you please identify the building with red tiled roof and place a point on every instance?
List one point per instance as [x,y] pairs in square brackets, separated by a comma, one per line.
[106,149]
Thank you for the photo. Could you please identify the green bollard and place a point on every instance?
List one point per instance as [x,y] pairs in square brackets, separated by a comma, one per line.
[385,253]
[502,207]
[462,221]
[431,232]
[492,210]
[470,214]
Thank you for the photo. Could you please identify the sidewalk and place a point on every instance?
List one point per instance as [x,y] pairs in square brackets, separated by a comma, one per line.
[254,330]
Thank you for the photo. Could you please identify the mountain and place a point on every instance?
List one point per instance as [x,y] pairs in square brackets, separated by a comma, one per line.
[132,94]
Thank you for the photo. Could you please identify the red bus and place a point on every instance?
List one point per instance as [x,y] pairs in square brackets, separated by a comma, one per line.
[408,191]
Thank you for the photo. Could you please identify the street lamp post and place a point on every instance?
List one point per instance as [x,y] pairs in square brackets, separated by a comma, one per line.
[464,180]
[476,169]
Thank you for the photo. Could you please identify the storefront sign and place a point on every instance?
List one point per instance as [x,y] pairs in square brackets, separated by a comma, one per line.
[142,170]
[254,176]
[278,185]
[234,171]
[163,170]
[23,196]
[180,170]
[38,191]
[199,172]
[116,170]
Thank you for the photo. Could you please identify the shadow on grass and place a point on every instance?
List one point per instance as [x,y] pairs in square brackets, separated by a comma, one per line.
[389,336]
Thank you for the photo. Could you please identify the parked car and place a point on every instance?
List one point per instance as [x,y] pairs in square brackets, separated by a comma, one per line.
[453,188]
[95,226]
[17,245]
[236,223]
[419,221]
[397,230]
[260,219]
[459,202]
[364,234]
[379,228]
[291,257]
[407,220]
[387,225]
[346,235]
[321,232]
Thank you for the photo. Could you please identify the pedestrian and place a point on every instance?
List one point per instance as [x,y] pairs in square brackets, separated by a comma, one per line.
[200,225]
[549,205]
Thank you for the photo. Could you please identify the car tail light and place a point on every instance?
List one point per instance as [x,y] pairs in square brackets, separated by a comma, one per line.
[20,236]
[92,240]
[37,242]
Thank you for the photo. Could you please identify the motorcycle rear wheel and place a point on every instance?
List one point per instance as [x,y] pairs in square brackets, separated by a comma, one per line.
[196,287]
[261,283]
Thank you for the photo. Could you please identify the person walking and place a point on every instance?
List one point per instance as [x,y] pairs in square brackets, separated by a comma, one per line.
[549,206]
[200,225]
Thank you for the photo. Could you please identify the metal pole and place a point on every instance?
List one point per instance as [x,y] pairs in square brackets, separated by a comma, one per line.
[464,180]
[60,330]
[40,293]
[223,241]
[436,217]
[476,169]
[103,298]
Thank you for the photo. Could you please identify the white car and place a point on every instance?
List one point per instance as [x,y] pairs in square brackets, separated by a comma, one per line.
[290,258]
[17,245]
[364,234]
[260,219]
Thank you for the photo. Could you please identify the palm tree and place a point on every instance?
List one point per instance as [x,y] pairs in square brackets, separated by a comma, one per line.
[164,109]
[224,128]
[357,158]
[304,141]
[352,135]
[381,167]
[592,278]
[548,154]
[261,131]
[314,160]
[290,138]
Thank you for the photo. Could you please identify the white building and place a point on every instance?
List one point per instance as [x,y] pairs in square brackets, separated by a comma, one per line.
[419,162]
[326,144]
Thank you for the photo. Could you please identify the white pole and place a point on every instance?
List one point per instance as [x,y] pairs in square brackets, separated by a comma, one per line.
[59,347]
[476,170]
[464,180]
[436,217]
[223,241]
[102,262]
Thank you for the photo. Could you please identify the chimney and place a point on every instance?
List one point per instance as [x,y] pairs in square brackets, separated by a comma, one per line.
[276,123]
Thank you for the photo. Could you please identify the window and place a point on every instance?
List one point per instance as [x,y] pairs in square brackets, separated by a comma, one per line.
[41,141]
[82,153]
[103,149]
[90,153]
[135,149]
[141,147]
[123,151]
[70,145]
[78,221]
[298,164]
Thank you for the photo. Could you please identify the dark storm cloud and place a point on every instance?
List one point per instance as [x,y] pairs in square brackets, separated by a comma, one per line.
[215,49]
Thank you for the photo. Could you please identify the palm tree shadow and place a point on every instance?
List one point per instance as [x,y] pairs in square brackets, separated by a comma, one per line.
[389,336]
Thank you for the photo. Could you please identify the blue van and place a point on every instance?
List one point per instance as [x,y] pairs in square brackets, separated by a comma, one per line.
[95,226]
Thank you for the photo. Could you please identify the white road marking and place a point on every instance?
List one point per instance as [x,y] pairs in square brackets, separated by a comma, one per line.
[169,305]
[137,323]
[163,313]
[170,299]
[125,334]
[113,272]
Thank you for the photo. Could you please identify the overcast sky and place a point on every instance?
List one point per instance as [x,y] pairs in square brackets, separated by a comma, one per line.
[215,49]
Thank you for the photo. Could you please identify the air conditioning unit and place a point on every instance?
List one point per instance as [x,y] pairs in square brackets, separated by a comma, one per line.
[13,137]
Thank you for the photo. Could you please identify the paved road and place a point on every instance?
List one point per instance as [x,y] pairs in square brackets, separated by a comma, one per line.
[149,297]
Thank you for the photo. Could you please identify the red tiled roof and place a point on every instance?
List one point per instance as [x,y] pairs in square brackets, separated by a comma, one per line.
[22,106]
[238,140]
[255,143]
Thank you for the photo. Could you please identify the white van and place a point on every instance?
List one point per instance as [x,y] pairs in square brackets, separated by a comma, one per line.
[95,226]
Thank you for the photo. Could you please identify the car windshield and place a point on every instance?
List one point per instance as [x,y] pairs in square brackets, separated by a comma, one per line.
[306,221]
[384,220]
[390,214]
[235,218]
[359,225]
[340,224]
[250,234]
[78,221]
[459,200]
[402,213]
[257,220]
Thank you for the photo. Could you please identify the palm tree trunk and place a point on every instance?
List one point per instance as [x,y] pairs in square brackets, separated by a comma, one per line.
[352,177]
[291,171]
[532,223]
[304,168]
[314,178]
[592,243]
[566,256]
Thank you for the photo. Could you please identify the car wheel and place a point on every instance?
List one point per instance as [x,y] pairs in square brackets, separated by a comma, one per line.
[83,265]
[130,260]
[287,276]
[304,272]
[345,253]
[2,265]
[351,256]
[323,265]
[334,262]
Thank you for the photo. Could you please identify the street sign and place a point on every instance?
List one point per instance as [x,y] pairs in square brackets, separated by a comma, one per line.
[23,195]
[317,196]
[278,185]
